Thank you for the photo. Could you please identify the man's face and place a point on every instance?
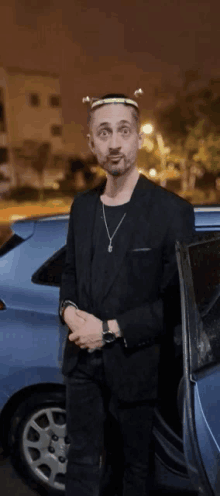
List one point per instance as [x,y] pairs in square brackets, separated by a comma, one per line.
[114,138]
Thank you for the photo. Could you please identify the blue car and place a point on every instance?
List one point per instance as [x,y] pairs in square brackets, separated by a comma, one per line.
[185,445]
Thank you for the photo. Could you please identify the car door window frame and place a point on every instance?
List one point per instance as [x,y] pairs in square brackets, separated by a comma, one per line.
[38,273]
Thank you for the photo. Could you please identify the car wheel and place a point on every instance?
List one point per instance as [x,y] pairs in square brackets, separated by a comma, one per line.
[38,442]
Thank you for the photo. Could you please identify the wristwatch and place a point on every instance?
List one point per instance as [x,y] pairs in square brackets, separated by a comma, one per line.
[64,304]
[107,335]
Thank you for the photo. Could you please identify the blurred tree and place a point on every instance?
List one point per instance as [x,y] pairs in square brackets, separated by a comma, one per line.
[209,152]
[39,163]
[184,151]
[148,159]
[190,125]
[75,175]
[199,151]
[35,155]
[91,160]
[83,173]
[17,160]
[76,163]
[190,76]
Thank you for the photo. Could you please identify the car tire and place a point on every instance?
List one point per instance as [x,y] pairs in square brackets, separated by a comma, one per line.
[38,443]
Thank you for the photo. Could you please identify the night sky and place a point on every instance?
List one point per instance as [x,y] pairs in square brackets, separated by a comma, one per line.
[112,46]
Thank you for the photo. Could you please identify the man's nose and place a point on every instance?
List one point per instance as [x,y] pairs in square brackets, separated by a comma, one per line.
[115,142]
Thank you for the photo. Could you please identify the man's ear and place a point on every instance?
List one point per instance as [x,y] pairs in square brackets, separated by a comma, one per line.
[90,142]
[140,140]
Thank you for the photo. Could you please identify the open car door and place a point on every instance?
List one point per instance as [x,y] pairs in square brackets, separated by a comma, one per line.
[199,273]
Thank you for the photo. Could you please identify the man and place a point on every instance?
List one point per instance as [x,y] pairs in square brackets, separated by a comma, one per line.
[119,279]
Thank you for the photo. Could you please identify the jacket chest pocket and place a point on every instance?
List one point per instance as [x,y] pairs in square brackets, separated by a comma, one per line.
[139,259]
[142,274]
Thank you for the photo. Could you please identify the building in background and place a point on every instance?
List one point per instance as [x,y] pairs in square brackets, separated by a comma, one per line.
[30,114]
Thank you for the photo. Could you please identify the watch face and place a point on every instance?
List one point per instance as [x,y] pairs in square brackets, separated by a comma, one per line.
[109,337]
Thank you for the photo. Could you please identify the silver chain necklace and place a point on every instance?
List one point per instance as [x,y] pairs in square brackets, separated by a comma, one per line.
[110,247]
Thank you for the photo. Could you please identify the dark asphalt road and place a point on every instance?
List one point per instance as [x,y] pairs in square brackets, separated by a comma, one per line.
[11,485]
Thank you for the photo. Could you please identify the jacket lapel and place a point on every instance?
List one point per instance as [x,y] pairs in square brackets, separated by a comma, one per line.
[84,218]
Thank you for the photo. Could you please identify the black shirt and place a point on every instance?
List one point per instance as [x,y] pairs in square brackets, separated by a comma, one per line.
[102,261]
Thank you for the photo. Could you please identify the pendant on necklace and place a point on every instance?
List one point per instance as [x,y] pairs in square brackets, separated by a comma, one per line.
[110,248]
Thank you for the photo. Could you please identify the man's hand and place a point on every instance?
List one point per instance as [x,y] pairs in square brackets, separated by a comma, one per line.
[72,320]
[86,330]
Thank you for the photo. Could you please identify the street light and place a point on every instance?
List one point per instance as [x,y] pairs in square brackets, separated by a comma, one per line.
[147,129]
[147,143]
[152,172]
[163,150]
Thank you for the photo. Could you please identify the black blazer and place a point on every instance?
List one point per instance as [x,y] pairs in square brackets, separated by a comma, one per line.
[142,290]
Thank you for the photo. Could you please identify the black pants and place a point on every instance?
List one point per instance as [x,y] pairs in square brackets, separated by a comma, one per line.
[87,404]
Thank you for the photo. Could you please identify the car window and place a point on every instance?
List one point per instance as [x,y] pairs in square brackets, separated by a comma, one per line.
[204,259]
[50,272]
[10,244]
[205,266]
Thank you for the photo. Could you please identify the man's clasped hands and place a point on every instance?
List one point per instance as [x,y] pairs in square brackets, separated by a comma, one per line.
[86,329]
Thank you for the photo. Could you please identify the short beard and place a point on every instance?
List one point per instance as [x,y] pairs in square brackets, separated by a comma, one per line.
[115,173]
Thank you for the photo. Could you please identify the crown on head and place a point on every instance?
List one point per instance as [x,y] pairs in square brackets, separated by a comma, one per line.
[97,102]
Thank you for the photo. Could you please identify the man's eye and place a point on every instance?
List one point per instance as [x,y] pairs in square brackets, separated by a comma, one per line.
[125,131]
[103,133]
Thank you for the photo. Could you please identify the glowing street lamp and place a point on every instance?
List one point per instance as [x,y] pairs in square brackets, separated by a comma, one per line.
[163,150]
[148,144]
[147,129]
[152,172]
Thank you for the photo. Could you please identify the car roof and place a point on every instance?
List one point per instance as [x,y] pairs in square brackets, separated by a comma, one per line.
[25,227]
[42,218]
[207,208]
[205,215]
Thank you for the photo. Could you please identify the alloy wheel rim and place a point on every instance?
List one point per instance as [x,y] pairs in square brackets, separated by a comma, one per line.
[45,446]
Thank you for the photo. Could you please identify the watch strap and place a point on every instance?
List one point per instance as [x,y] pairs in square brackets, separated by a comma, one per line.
[106,332]
[105,327]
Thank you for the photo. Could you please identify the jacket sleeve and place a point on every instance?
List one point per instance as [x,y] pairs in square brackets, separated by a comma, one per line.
[68,280]
[146,324]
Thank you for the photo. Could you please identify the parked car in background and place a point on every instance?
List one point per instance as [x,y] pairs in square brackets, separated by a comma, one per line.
[32,388]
